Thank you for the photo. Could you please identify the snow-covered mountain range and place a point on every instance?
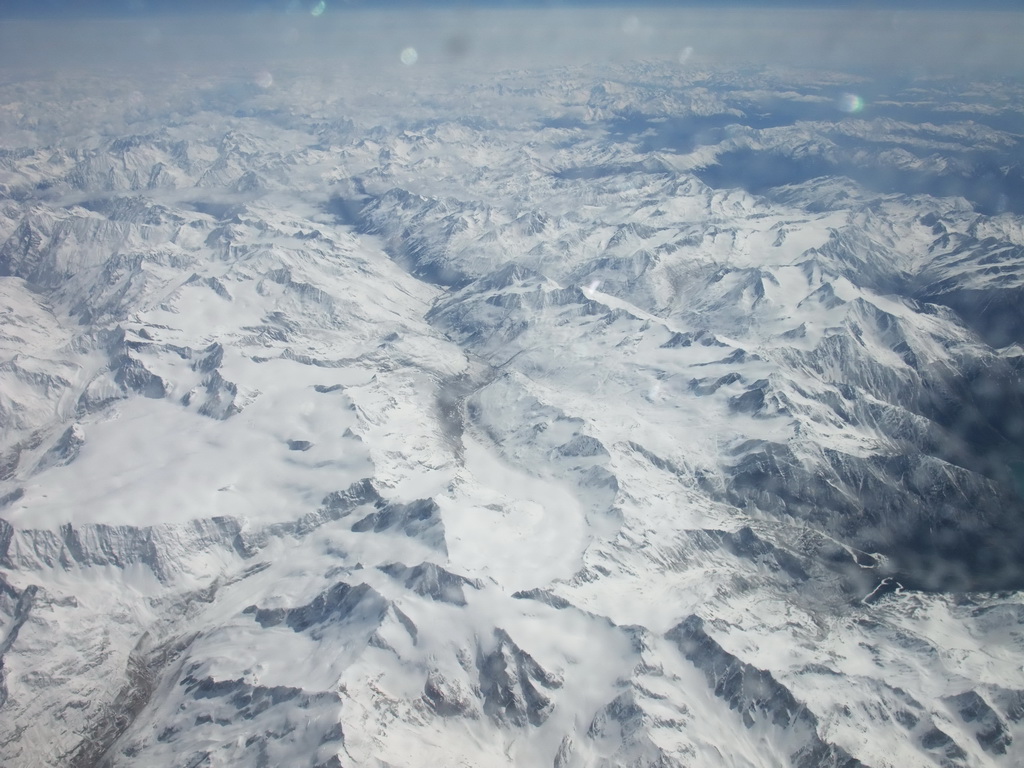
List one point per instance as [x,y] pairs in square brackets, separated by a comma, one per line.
[633,415]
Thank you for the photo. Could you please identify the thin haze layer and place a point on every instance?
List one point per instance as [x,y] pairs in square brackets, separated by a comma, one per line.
[910,43]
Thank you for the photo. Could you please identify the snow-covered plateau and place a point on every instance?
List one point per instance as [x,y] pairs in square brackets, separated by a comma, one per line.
[650,413]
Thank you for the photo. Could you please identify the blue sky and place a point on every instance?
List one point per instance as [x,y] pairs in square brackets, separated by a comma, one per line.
[69,8]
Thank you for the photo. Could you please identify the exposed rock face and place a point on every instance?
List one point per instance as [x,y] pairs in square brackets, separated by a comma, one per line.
[430,580]
[163,549]
[512,684]
[757,697]
[337,604]
[66,449]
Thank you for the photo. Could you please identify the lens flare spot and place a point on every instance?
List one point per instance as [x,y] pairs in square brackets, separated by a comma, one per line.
[851,103]
[685,54]
[409,56]
[264,79]
[319,8]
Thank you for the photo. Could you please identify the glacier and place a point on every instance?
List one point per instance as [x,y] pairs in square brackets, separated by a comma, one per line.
[631,413]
